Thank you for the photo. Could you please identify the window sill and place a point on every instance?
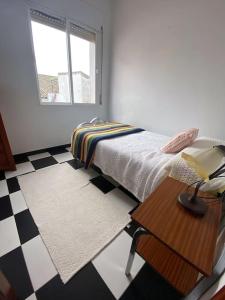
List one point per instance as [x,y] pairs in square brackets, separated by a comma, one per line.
[68,104]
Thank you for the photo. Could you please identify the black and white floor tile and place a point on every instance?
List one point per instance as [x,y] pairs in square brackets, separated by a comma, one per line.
[25,260]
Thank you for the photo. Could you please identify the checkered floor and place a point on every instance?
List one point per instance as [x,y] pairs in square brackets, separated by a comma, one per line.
[27,265]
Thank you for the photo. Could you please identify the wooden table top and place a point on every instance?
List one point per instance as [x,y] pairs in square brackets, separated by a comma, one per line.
[193,238]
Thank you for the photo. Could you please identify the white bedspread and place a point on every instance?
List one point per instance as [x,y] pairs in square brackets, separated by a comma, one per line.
[135,161]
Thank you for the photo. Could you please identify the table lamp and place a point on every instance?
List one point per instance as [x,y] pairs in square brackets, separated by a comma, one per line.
[206,166]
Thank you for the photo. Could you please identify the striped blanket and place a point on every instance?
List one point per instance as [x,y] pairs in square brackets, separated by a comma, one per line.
[85,139]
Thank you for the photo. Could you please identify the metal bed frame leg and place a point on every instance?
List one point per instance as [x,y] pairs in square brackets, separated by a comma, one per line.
[207,282]
[140,231]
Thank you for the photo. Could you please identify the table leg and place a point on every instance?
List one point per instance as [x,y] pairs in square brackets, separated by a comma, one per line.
[140,231]
[204,284]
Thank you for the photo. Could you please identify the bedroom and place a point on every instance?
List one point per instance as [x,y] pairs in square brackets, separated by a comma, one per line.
[159,66]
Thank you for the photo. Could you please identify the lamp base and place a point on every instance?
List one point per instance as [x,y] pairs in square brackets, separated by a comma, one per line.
[196,206]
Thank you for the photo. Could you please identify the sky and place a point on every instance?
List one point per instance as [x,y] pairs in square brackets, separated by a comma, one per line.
[51,54]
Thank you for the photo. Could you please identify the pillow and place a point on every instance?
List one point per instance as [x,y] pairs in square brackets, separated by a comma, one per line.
[180,141]
[182,172]
[201,150]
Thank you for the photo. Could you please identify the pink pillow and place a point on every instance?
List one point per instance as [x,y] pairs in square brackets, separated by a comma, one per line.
[180,141]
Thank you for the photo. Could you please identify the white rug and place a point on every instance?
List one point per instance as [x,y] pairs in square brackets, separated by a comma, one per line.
[75,219]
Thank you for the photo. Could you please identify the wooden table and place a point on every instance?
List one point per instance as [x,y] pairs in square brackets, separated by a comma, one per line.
[175,243]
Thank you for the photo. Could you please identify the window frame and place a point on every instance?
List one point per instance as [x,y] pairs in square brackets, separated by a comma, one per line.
[98,58]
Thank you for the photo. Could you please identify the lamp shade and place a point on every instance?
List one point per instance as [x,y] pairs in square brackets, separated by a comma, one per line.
[205,162]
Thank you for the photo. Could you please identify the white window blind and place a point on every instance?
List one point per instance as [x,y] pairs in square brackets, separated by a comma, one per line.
[82,33]
[45,19]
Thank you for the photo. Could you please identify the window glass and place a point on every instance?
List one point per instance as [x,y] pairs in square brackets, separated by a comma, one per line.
[51,61]
[83,69]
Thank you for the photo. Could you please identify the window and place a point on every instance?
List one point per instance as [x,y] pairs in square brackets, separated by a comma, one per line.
[65,55]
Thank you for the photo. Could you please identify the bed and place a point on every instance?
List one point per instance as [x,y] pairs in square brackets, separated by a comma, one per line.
[134,161]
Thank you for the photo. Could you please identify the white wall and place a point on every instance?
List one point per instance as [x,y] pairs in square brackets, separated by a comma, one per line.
[168,65]
[29,125]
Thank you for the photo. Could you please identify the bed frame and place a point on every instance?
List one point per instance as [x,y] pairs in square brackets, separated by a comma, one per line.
[93,122]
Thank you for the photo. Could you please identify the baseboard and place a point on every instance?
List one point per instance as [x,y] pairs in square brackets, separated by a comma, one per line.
[39,151]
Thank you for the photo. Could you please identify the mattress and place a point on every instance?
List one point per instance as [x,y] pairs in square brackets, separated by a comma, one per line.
[135,161]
